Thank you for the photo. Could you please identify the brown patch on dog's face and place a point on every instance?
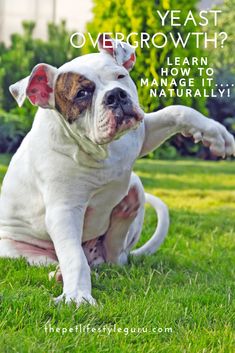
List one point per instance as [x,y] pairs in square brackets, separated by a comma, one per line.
[73,95]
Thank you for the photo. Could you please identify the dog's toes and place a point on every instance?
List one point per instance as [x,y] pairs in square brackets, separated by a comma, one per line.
[85,299]
[197,136]
[123,258]
[59,299]
[57,275]
[51,275]
[79,299]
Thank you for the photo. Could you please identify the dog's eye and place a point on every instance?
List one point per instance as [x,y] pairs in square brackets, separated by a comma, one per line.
[120,77]
[82,94]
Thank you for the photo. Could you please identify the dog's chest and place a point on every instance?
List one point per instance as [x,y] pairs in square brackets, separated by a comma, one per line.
[114,180]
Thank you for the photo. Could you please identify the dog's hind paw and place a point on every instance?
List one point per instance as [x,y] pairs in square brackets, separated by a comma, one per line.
[57,275]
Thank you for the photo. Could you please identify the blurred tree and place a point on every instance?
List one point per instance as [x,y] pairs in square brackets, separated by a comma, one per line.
[128,16]
[223,108]
[223,57]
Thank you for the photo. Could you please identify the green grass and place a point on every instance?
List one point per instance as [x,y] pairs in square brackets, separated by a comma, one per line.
[188,285]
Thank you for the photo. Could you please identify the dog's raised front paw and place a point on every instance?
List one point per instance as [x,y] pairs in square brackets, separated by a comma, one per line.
[213,135]
[80,298]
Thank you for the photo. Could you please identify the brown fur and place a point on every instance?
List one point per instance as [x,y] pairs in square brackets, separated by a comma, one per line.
[67,86]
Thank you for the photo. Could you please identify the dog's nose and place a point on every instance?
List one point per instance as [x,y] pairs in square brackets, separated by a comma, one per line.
[115,97]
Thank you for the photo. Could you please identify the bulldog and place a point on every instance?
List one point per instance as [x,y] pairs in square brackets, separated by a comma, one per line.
[69,195]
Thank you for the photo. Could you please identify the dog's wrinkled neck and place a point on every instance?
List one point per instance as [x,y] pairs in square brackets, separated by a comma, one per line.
[95,153]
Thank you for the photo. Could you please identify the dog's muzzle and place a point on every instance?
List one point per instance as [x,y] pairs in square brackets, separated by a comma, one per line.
[119,102]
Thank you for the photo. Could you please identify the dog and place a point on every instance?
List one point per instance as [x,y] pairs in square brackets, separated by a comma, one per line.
[69,195]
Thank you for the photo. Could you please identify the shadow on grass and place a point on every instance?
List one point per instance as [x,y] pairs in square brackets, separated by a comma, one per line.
[188,167]
[182,175]
[170,183]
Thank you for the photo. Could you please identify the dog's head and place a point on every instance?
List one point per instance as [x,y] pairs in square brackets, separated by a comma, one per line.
[93,92]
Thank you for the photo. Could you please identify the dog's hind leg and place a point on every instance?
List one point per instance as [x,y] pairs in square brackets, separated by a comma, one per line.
[125,224]
[123,233]
[35,255]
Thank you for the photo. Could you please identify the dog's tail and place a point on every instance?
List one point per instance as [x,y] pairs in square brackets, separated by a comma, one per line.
[162,227]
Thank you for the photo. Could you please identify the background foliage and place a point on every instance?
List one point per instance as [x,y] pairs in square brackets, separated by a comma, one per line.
[223,109]
[17,61]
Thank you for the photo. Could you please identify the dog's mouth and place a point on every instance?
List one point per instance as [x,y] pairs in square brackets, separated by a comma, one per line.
[126,113]
[119,121]
[126,121]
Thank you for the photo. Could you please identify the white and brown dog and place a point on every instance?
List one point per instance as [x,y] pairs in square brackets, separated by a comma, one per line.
[69,195]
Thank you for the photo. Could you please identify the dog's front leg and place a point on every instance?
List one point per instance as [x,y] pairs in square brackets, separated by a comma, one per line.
[65,228]
[161,125]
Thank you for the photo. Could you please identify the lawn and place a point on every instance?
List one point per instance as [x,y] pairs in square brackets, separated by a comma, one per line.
[185,292]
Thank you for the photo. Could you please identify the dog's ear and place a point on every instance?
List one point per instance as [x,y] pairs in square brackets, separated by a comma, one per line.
[38,87]
[123,53]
